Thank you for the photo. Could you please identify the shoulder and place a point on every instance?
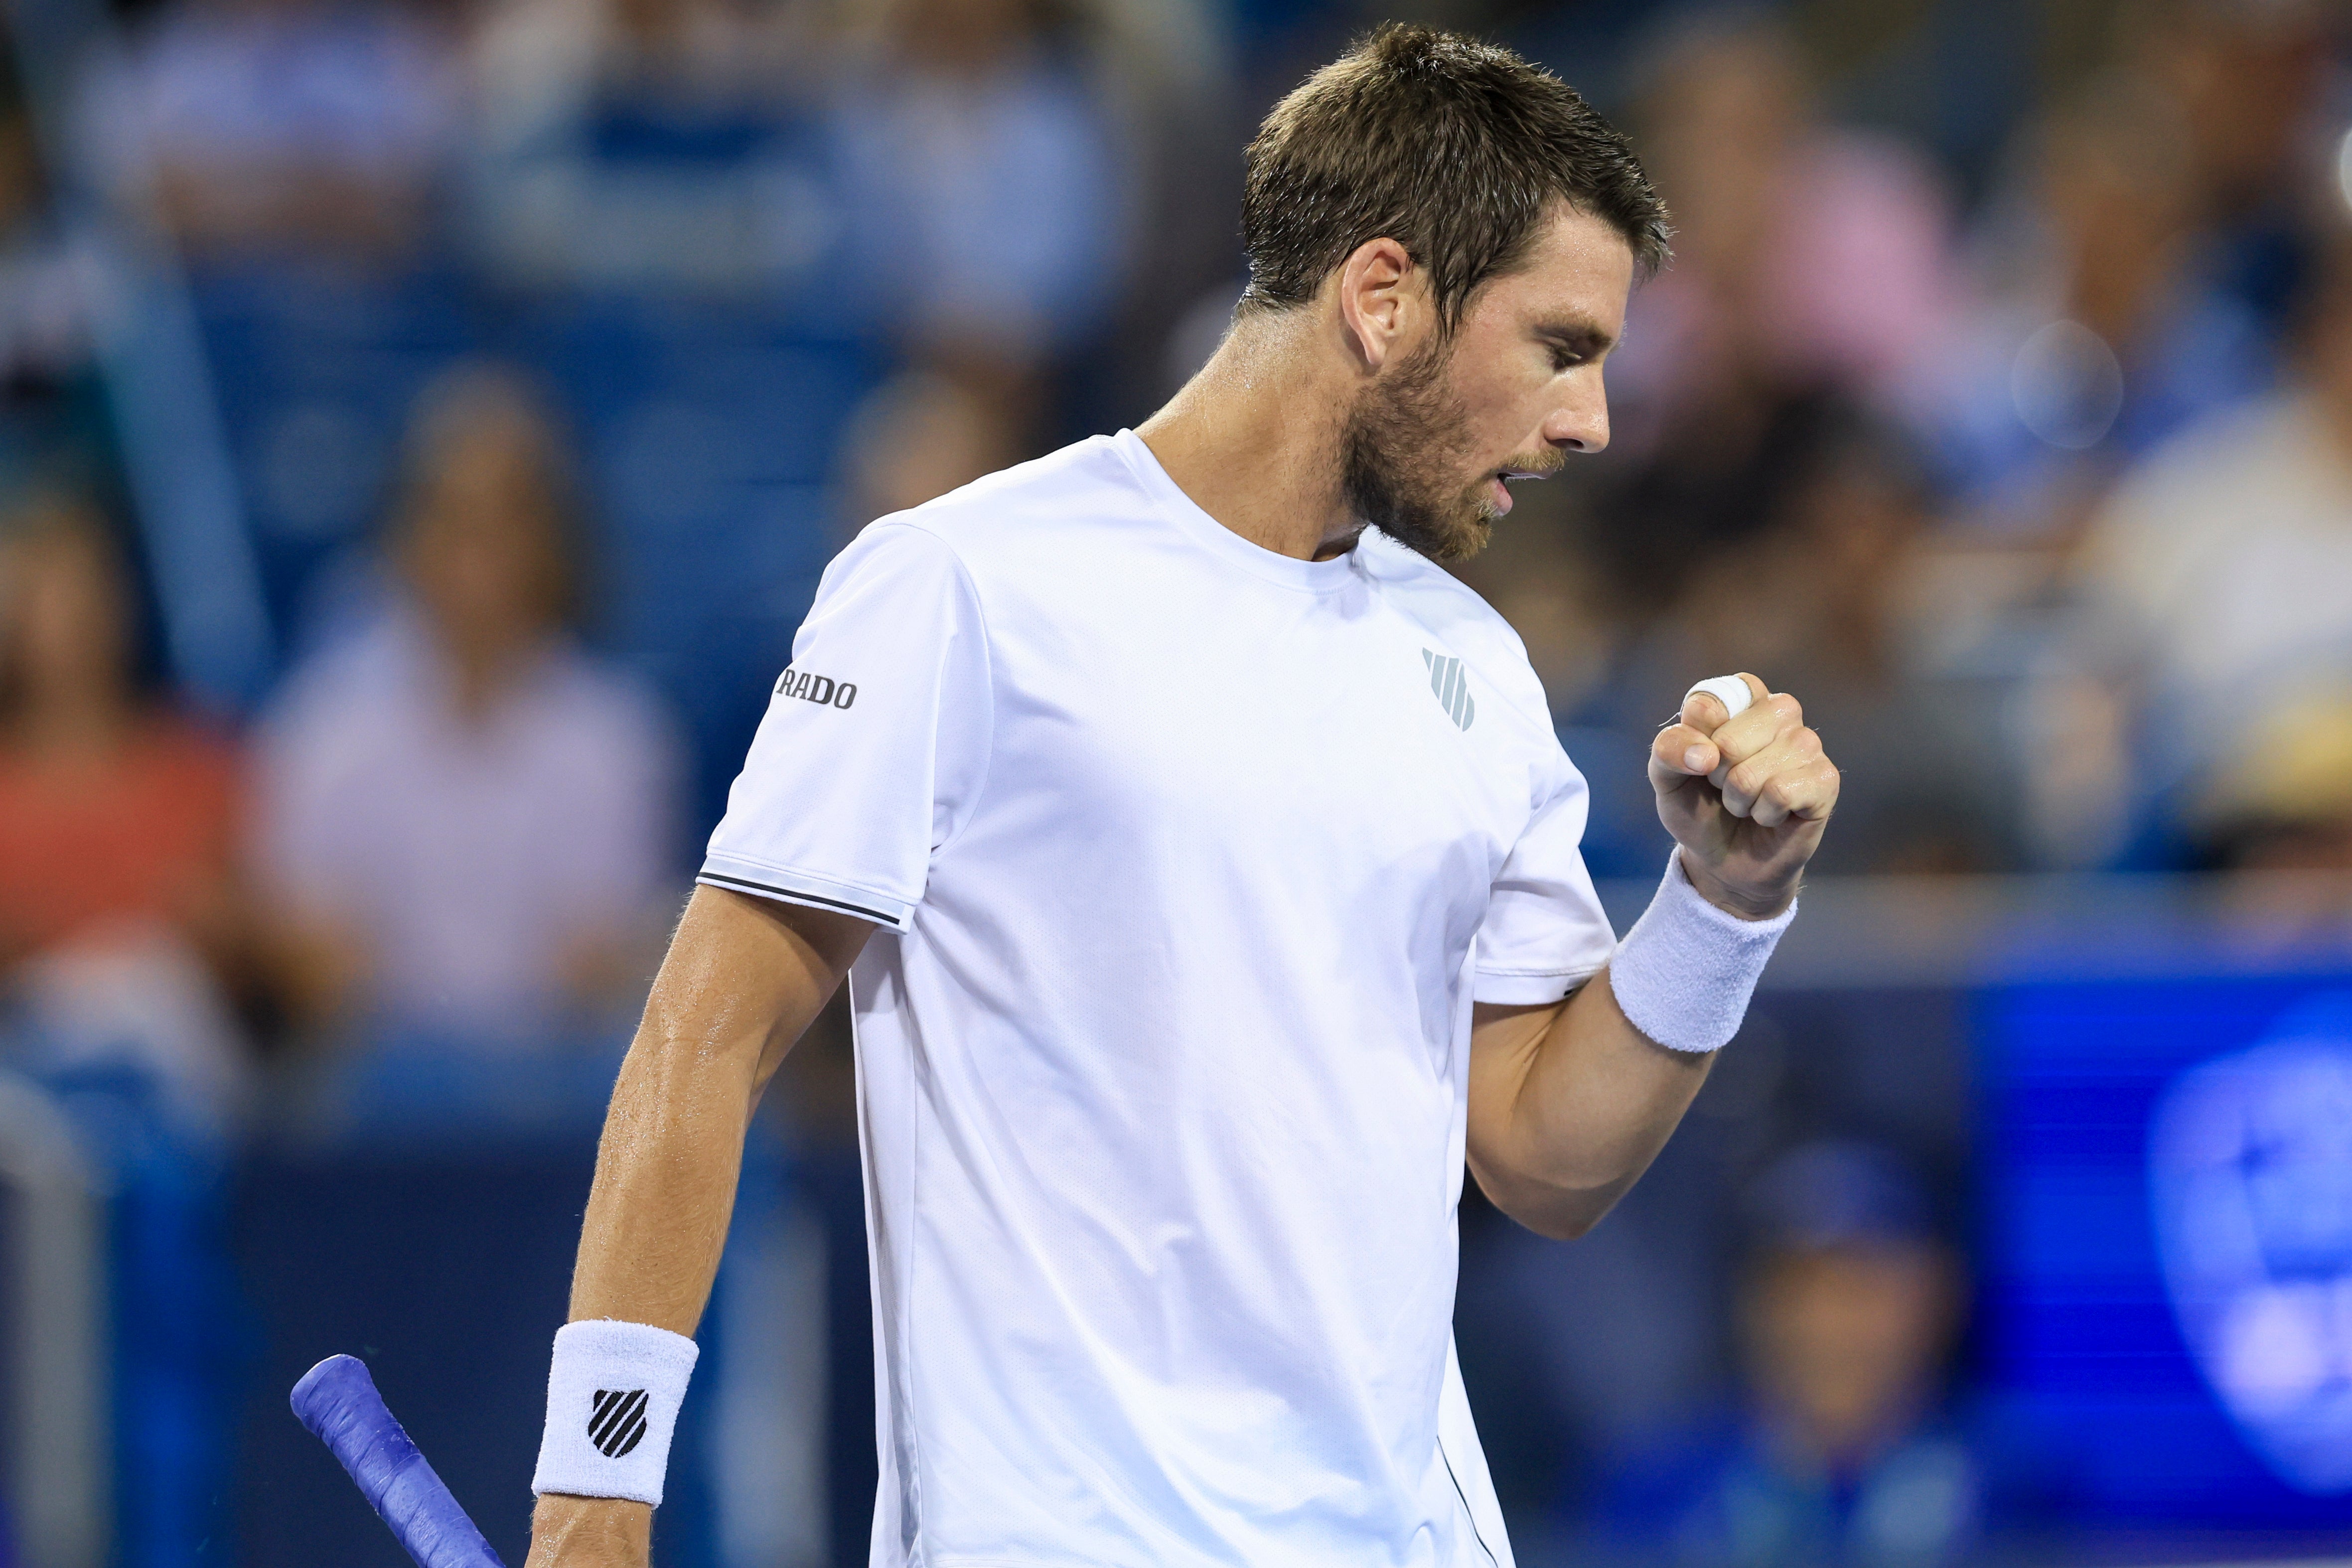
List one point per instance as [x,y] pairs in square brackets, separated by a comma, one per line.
[1461,622]
[1005,511]
[1039,531]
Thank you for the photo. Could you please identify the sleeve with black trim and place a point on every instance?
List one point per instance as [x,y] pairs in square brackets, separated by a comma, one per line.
[876,738]
[1545,931]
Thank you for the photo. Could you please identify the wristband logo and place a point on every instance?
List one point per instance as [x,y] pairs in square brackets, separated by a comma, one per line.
[618,1423]
[822,690]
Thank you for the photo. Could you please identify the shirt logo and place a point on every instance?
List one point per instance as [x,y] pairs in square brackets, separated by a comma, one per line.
[822,690]
[618,1423]
[1447,679]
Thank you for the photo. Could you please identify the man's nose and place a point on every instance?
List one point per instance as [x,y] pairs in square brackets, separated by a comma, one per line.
[1580,423]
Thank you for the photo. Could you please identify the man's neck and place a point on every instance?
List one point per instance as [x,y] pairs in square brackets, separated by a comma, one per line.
[1254,439]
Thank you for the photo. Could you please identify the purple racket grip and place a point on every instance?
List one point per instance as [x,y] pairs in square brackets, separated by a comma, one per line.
[338,1401]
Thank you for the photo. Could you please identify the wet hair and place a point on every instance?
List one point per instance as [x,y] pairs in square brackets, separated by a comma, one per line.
[1457,149]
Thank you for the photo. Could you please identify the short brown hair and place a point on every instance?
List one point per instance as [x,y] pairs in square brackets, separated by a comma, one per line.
[1453,148]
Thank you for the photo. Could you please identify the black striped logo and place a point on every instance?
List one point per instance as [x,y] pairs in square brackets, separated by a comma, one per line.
[1450,683]
[618,1422]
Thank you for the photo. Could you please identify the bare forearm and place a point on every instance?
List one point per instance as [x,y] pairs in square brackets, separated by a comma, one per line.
[741,981]
[666,1175]
[1569,1106]
[743,978]
[657,1220]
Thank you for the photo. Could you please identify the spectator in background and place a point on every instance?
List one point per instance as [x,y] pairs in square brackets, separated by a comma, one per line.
[1806,255]
[1787,545]
[990,192]
[273,128]
[921,434]
[465,818]
[122,928]
[648,144]
[51,423]
[1839,1453]
[2249,78]
[2217,583]
[2101,327]
[2285,804]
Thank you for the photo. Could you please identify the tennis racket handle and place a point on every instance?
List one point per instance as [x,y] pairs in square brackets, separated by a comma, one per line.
[338,1401]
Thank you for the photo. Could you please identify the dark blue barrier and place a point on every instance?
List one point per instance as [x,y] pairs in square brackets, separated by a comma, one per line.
[173,1314]
[2087,1113]
[422,1216]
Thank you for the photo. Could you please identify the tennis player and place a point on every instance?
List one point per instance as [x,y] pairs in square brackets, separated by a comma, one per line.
[1209,868]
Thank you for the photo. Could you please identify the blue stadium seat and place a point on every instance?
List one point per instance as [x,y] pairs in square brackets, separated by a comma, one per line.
[708,438]
[315,373]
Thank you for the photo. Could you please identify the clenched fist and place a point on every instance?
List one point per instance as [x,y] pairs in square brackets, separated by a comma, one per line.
[1746,797]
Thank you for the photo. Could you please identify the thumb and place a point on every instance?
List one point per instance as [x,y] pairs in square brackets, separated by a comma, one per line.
[1682,751]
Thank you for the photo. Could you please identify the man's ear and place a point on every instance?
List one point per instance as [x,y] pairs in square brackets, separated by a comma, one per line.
[1381,297]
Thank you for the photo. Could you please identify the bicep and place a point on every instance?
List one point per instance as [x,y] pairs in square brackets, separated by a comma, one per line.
[1569,1105]
[1504,1041]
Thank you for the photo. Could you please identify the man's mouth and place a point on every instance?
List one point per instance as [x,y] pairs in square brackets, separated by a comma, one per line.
[1501,482]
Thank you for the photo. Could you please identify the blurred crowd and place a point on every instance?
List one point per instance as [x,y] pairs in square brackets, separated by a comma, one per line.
[1997,403]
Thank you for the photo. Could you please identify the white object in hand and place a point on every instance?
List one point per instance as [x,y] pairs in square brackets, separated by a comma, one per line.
[1730,690]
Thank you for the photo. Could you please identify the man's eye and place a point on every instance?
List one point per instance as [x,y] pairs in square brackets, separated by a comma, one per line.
[1563,360]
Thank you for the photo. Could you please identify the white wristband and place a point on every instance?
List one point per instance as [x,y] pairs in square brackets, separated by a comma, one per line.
[1683,973]
[613,1394]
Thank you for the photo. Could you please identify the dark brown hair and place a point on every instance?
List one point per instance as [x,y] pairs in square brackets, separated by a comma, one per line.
[1456,149]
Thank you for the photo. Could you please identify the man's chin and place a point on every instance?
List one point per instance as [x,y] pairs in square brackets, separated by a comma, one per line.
[1469,531]
[1467,538]
[1447,541]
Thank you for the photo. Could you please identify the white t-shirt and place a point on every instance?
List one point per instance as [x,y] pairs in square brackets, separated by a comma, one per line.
[1185,854]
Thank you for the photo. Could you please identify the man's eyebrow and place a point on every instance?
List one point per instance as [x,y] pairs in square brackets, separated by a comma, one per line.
[1577,337]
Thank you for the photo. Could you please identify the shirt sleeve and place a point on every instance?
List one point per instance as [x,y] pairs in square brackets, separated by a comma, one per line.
[1545,933]
[876,740]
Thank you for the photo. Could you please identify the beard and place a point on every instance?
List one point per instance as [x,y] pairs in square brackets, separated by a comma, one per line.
[1401,454]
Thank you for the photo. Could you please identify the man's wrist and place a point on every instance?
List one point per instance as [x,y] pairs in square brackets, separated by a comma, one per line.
[589,1530]
[1684,973]
[1730,900]
[614,1390]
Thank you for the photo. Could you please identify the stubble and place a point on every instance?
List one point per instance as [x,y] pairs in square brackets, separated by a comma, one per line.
[1401,456]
